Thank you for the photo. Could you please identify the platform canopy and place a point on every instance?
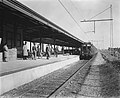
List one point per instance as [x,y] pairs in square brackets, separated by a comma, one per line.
[35,27]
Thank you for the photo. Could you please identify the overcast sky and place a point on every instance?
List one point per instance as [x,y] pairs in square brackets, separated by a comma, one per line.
[80,10]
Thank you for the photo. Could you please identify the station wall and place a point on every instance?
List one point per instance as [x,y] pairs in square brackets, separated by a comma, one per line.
[12,35]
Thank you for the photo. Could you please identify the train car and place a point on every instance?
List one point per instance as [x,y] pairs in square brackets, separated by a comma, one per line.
[72,51]
[86,52]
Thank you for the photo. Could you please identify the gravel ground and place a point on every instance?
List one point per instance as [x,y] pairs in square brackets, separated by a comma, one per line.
[92,77]
[93,82]
[74,86]
[110,86]
[102,81]
[90,91]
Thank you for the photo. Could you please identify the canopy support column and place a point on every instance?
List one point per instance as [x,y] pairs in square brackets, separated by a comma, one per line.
[1,26]
[15,35]
[54,43]
[40,44]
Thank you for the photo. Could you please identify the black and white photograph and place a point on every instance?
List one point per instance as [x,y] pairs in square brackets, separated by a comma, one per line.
[59,48]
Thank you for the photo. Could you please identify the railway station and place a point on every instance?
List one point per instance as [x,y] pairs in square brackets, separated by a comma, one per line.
[30,26]
[77,69]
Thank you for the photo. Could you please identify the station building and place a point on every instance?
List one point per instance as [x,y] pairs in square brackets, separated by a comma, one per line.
[19,23]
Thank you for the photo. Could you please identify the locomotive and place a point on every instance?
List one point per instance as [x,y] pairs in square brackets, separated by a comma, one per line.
[87,51]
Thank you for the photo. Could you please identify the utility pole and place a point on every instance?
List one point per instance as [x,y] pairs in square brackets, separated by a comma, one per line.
[111,28]
[111,24]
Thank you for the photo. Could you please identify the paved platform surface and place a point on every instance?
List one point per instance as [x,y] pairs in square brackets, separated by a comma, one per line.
[19,65]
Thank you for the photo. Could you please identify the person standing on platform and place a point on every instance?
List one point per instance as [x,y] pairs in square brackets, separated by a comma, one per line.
[56,51]
[34,49]
[25,52]
[5,53]
[62,50]
[47,51]
[39,54]
[80,53]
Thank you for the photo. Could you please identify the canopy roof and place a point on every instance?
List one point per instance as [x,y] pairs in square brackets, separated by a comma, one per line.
[37,27]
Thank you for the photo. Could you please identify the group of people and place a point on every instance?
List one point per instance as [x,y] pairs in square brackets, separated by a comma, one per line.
[36,52]
[33,55]
[48,51]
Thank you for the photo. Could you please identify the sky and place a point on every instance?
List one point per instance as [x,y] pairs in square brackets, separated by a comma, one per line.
[80,10]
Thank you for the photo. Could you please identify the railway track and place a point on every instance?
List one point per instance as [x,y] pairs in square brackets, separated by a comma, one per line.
[52,84]
[78,75]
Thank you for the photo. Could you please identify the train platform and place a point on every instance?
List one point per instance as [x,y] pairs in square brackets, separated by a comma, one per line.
[95,78]
[20,65]
[16,73]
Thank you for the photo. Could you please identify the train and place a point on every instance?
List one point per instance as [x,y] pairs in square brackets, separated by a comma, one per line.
[72,51]
[87,51]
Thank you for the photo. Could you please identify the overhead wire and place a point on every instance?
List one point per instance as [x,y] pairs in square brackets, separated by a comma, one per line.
[79,14]
[75,7]
[99,13]
[111,24]
[71,15]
